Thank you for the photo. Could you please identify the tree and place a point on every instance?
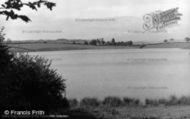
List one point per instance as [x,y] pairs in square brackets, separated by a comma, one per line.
[165,41]
[2,34]
[171,39]
[32,84]
[74,42]
[130,101]
[90,102]
[73,102]
[102,41]
[130,43]
[86,42]
[187,39]
[27,82]
[93,42]
[9,40]
[5,56]
[173,100]
[112,101]
[10,8]
[113,41]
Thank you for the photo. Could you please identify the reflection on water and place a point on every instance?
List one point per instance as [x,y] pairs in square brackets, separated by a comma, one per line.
[136,73]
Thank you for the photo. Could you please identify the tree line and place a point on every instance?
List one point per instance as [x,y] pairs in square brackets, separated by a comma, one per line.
[113,101]
[112,42]
[186,39]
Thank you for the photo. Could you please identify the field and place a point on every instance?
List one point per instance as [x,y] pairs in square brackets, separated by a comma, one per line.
[57,46]
[183,45]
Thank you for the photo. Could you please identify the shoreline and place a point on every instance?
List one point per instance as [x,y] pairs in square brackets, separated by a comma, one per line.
[40,47]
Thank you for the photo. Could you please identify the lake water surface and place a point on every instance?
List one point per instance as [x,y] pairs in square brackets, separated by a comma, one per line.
[139,73]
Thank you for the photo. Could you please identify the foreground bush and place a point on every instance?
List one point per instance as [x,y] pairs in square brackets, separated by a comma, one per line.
[29,83]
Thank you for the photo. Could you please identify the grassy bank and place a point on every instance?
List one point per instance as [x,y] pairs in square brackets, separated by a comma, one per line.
[131,108]
[58,46]
[182,45]
[171,112]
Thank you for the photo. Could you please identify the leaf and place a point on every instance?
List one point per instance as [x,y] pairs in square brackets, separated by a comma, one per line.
[50,5]
[11,5]
[39,3]
[3,6]
[32,6]
[24,18]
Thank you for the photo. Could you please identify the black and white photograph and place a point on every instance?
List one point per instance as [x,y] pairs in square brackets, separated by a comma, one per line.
[95,59]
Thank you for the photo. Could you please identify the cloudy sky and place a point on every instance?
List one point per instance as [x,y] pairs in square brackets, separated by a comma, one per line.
[61,22]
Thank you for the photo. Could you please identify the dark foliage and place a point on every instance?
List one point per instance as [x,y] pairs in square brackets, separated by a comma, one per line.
[112,101]
[113,41]
[94,102]
[10,8]
[93,42]
[28,83]
[131,101]
[86,42]
[73,102]
[80,113]
[5,65]
[173,100]
[101,42]
[165,41]
[151,102]
[187,39]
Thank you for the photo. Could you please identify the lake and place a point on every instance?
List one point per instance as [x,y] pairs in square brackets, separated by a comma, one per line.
[139,73]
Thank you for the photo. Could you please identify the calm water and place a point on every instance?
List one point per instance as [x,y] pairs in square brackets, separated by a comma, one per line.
[136,73]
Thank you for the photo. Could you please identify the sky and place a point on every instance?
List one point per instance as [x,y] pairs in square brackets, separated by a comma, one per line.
[61,22]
